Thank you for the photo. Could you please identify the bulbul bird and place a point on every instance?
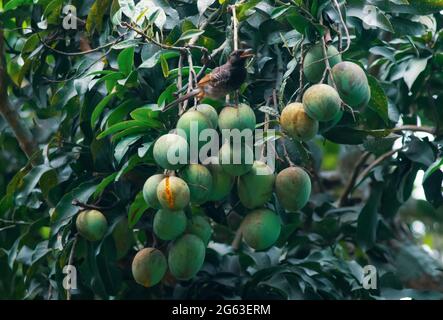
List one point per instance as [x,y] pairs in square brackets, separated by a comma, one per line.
[222,80]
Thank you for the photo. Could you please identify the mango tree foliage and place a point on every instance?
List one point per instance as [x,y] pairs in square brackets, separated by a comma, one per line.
[91,89]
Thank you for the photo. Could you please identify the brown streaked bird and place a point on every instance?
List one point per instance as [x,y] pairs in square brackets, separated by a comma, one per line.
[222,80]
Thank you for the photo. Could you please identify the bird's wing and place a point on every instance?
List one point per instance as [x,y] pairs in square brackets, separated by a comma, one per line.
[217,78]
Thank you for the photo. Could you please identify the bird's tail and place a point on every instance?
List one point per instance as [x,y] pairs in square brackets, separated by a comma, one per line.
[187,96]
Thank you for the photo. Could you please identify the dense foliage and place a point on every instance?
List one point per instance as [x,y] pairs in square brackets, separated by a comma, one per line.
[85,104]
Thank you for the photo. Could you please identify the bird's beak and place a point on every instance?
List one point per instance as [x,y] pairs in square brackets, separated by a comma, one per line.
[247,53]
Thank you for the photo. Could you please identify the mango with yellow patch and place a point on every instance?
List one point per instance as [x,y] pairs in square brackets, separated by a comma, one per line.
[149,267]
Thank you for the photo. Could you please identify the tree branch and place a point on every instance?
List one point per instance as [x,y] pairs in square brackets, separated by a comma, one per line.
[21,131]
[350,185]
[234,27]
[413,128]
[152,40]
[345,27]
[379,160]
[83,44]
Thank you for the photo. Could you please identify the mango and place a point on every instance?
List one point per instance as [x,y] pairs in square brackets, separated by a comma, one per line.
[236,160]
[210,113]
[352,84]
[171,151]
[149,266]
[255,187]
[240,117]
[168,225]
[199,226]
[192,123]
[261,229]
[199,181]
[186,256]
[222,182]
[173,193]
[314,66]
[150,190]
[297,124]
[91,224]
[293,188]
[321,102]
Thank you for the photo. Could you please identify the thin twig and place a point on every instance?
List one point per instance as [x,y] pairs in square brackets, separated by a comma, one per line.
[286,154]
[235,43]
[82,205]
[235,27]
[345,27]
[348,37]
[202,71]
[328,71]
[192,76]
[379,160]
[413,128]
[327,64]
[180,82]
[152,40]
[350,185]
[15,221]
[237,238]
[80,53]
[301,71]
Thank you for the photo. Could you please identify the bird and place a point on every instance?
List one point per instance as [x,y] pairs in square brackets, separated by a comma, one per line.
[222,80]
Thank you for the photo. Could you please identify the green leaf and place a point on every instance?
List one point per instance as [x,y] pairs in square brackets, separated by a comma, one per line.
[379,101]
[372,16]
[16,3]
[368,219]
[120,112]
[203,5]
[420,151]
[145,112]
[30,181]
[413,70]
[123,146]
[437,165]
[189,34]
[146,124]
[277,12]
[155,58]
[433,188]
[243,10]
[125,60]
[152,61]
[64,210]
[167,95]
[136,210]
[142,151]
[99,108]
[134,161]
[94,21]
[103,185]
[165,67]
[31,43]
[352,136]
